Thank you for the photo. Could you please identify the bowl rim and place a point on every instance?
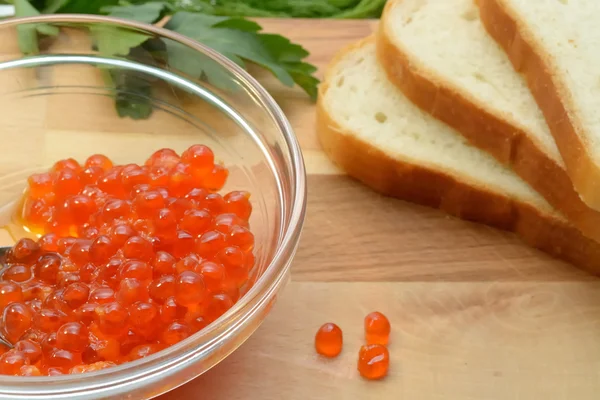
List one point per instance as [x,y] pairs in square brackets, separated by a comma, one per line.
[265,285]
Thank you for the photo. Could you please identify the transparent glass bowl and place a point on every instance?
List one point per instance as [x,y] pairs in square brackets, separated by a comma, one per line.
[65,100]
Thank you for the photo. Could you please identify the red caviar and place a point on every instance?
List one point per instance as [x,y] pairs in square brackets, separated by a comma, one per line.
[329,340]
[377,329]
[131,259]
[373,361]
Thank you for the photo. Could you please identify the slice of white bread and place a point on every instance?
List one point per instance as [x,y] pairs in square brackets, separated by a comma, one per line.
[556,45]
[371,130]
[439,54]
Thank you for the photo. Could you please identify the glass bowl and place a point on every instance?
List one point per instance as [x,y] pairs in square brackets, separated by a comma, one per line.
[71,97]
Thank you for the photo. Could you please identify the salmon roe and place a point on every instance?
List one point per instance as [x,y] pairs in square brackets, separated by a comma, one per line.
[329,340]
[373,361]
[131,259]
[377,329]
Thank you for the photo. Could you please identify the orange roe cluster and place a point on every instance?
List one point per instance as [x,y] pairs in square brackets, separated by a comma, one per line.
[374,357]
[133,258]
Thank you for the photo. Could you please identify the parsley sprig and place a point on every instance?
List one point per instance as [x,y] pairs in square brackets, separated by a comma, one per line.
[237,38]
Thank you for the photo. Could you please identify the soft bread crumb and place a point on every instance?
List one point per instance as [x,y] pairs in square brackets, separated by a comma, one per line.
[447,36]
[570,39]
[376,112]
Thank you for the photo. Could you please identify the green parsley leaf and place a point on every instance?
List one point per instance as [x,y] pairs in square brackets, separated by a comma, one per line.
[239,40]
[239,24]
[230,8]
[113,40]
[290,55]
[28,40]
[133,90]
[198,65]
[261,8]
[23,8]
[53,6]
[285,8]
[343,3]
[295,8]
[148,12]
[116,41]
[233,43]
[364,9]
[303,76]
[28,33]
[133,93]
[282,48]
[85,6]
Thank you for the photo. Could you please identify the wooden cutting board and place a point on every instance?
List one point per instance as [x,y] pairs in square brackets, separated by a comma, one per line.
[476,315]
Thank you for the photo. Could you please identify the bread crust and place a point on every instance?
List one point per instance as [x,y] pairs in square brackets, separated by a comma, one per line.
[550,93]
[407,180]
[509,144]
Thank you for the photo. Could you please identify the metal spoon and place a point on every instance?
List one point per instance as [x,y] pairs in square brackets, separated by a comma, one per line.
[3,250]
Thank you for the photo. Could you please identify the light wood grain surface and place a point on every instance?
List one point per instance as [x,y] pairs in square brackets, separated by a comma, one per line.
[476,315]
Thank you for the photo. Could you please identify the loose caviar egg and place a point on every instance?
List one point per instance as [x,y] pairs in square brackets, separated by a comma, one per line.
[62,359]
[329,340]
[170,310]
[12,361]
[16,320]
[54,372]
[238,203]
[144,350]
[212,273]
[209,244]
[199,157]
[48,319]
[215,179]
[24,251]
[30,370]
[132,290]
[143,315]
[218,304]
[68,163]
[97,366]
[17,273]
[175,333]
[162,288]
[72,336]
[48,242]
[196,222]
[99,161]
[189,289]
[164,263]
[166,158]
[377,329]
[31,349]
[40,185]
[131,259]
[214,203]
[10,292]
[373,361]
